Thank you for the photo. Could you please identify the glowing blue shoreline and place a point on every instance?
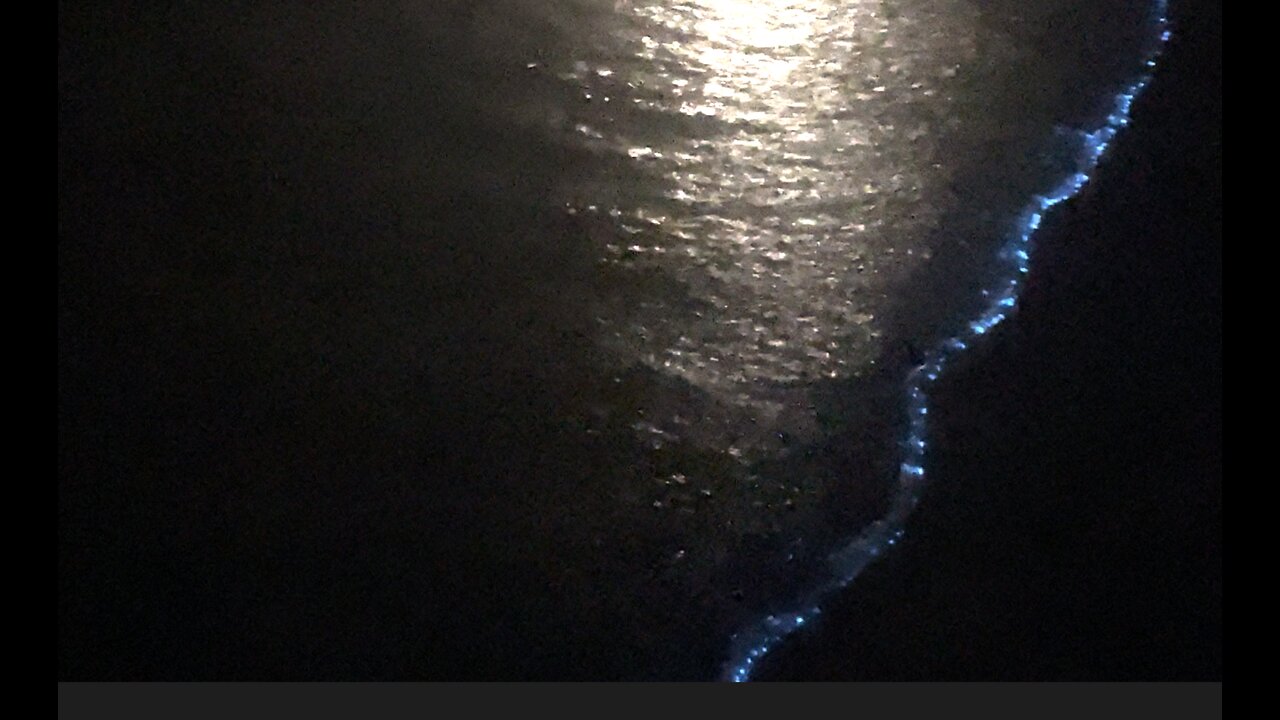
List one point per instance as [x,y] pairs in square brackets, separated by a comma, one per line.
[847,563]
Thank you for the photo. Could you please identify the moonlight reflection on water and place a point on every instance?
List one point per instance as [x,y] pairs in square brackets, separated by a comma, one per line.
[789,176]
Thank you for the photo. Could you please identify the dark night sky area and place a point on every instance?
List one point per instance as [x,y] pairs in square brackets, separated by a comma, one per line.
[1072,531]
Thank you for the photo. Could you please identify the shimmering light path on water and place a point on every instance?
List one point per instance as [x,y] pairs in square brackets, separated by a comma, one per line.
[753,643]
[783,170]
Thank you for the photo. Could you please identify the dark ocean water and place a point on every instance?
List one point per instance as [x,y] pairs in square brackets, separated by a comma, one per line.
[517,339]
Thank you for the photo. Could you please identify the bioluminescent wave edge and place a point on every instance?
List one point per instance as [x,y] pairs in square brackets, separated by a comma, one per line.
[753,643]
